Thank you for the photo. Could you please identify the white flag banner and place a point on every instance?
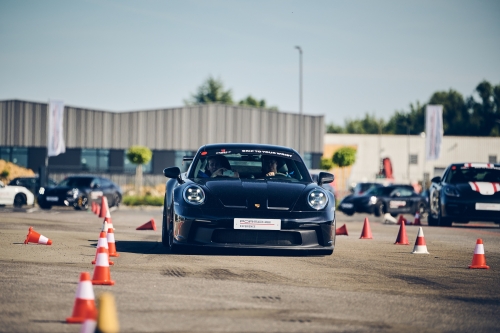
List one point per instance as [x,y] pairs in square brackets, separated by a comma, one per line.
[433,131]
[55,135]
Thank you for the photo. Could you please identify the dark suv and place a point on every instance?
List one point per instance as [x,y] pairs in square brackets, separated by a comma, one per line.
[79,192]
[31,183]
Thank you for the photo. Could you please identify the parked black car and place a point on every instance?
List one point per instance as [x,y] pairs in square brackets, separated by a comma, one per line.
[392,199]
[79,192]
[242,206]
[31,183]
[466,192]
[349,205]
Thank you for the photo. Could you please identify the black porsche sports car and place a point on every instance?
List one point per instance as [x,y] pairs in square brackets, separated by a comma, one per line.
[243,207]
[466,192]
[352,203]
[392,199]
[79,192]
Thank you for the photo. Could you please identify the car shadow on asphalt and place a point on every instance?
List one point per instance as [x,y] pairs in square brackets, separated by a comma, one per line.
[141,247]
[145,247]
[471,226]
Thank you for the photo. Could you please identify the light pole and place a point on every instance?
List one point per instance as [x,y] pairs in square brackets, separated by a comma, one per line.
[300,99]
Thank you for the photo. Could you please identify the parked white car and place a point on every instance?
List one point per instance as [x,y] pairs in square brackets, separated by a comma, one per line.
[15,195]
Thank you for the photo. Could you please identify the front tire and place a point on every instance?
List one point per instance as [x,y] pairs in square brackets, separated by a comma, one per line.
[19,200]
[116,200]
[379,209]
[45,206]
[444,221]
[164,233]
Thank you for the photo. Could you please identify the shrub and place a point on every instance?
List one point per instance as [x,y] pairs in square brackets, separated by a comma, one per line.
[139,200]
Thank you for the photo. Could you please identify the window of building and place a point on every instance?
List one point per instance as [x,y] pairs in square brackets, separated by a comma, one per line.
[95,159]
[307,157]
[492,159]
[130,167]
[18,156]
[413,159]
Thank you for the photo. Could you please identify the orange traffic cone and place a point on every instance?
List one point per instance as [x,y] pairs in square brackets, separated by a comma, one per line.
[479,260]
[97,209]
[420,246]
[417,219]
[111,243]
[366,233]
[151,225]
[35,237]
[402,220]
[104,207]
[102,275]
[84,307]
[342,231]
[102,242]
[402,237]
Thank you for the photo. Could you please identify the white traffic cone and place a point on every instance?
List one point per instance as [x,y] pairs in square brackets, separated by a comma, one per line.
[420,246]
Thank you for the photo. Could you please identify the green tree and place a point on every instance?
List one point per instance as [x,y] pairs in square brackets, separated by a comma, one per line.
[367,125]
[253,102]
[344,157]
[139,155]
[456,119]
[211,91]
[332,128]
[325,163]
[485,114]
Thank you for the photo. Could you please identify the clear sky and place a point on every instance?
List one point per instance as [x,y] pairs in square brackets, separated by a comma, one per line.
[359,56]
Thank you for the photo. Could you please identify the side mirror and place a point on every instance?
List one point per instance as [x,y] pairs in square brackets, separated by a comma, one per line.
[436,179]
[325,178]
[173,172]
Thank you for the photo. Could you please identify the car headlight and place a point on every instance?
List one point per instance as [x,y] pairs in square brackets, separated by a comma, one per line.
[317,199]
[373,200]
[451,191]
[193,194]
[41,190]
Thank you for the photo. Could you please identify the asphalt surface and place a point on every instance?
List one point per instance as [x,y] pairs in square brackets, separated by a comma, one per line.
[365,286]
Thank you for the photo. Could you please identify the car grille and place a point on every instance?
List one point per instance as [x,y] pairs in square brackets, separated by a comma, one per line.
[255,237]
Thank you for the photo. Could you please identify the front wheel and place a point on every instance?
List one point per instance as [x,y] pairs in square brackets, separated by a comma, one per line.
[19,200]
[45,206]
[444,221]
[164,233]
[379,209]
[82,203]
[116,200]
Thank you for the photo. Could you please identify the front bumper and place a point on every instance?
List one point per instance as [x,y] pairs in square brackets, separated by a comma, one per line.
[303,231]
[464,210]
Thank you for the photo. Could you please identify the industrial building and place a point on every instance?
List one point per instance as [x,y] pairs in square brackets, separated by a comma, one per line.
[407,156]
[96,141]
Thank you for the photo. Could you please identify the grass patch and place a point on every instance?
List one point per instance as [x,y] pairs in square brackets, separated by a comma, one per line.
[142,200]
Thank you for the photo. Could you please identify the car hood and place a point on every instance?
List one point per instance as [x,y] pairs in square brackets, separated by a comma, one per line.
[483,188]
[256,193]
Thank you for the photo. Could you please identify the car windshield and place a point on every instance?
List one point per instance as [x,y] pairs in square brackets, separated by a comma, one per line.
[75,182]
[379,191]
[361,188]
[467,174]
[248,164]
